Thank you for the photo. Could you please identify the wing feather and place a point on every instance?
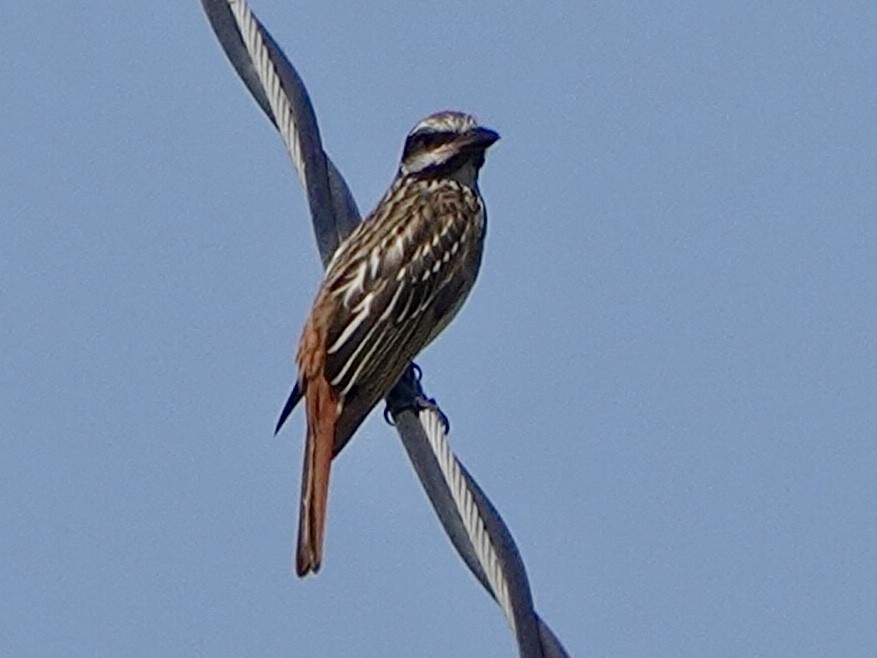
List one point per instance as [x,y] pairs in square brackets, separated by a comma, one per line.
[383,312]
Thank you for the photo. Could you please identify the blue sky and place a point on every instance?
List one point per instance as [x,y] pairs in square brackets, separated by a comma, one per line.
[665,378]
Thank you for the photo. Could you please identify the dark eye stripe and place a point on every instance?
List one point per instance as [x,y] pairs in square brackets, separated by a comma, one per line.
[426,140]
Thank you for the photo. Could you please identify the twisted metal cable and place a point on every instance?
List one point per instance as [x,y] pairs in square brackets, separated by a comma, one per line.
[281,94]
[475,528]
[433,425]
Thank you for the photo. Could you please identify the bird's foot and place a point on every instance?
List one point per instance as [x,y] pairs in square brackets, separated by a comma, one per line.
[418,404]
[425,403]
[408,394]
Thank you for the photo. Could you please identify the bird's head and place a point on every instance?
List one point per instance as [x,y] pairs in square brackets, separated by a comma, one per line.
[446,144]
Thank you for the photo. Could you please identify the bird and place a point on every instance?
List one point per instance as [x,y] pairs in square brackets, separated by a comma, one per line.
[392,285]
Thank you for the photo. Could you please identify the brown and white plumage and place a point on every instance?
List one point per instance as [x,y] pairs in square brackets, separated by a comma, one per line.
[394,283]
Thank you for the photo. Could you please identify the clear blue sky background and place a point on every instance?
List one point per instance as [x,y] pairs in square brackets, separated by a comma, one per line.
[665,378]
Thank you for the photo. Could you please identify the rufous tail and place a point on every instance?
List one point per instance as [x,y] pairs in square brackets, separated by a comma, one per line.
[322,416]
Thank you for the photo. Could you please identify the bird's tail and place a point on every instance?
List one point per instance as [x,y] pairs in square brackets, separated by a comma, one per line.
[322,417]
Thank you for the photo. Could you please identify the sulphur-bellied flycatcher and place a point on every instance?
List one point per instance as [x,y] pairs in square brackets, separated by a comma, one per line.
[393,284]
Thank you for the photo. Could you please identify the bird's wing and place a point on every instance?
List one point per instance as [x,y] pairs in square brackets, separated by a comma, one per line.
[386,280]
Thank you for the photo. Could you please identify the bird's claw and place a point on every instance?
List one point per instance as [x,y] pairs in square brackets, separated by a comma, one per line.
[425,403]
[420,403]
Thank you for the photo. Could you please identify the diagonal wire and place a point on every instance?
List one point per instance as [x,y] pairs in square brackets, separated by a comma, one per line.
[472,523]
[280,92]
[433,425]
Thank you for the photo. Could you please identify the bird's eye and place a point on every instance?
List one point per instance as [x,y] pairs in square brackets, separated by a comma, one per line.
[426,140]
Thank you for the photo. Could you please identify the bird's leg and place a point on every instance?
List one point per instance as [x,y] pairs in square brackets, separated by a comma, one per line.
[404,394]
[408,394]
